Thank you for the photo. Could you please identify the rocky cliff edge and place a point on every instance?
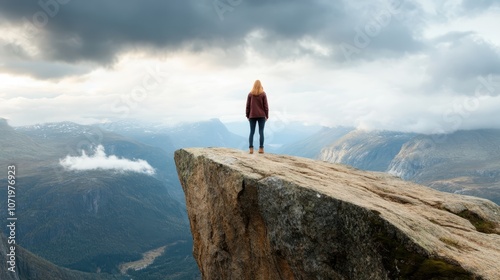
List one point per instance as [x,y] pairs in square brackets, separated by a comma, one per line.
[280,217]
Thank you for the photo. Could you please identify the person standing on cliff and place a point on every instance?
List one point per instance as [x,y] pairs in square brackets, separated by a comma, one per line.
[257,111]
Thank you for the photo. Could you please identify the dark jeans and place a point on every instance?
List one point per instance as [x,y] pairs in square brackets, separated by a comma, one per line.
[262,123]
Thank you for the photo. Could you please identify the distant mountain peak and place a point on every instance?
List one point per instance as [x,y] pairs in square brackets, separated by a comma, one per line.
[55,129]
[4,123]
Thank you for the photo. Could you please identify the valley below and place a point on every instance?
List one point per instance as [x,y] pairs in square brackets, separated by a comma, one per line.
[131,221]
[147,258]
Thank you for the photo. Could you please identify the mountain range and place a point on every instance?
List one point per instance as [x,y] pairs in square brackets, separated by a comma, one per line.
[465,162]
[92,220]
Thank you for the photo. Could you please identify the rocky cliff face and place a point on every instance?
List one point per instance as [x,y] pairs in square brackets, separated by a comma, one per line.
[280,217]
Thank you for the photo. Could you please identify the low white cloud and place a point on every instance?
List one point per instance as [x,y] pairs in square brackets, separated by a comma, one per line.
[99,160]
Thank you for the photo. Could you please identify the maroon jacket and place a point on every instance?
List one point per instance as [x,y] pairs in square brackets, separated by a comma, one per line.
[257,106]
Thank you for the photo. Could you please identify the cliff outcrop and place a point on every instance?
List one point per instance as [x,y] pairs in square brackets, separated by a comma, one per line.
[280,217]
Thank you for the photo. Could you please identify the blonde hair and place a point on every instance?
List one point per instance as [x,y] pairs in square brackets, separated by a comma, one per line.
[257,88]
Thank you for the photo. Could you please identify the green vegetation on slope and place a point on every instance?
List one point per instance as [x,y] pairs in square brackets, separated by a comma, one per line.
[95,220]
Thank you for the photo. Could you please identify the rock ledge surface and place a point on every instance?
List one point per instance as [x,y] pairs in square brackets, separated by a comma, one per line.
[280,217]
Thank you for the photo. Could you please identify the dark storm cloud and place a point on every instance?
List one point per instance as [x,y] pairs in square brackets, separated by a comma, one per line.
[44,69]
[368,30]
[98,30]
[15,59]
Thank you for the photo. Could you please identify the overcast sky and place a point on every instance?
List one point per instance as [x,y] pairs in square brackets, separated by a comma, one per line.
[396,64]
